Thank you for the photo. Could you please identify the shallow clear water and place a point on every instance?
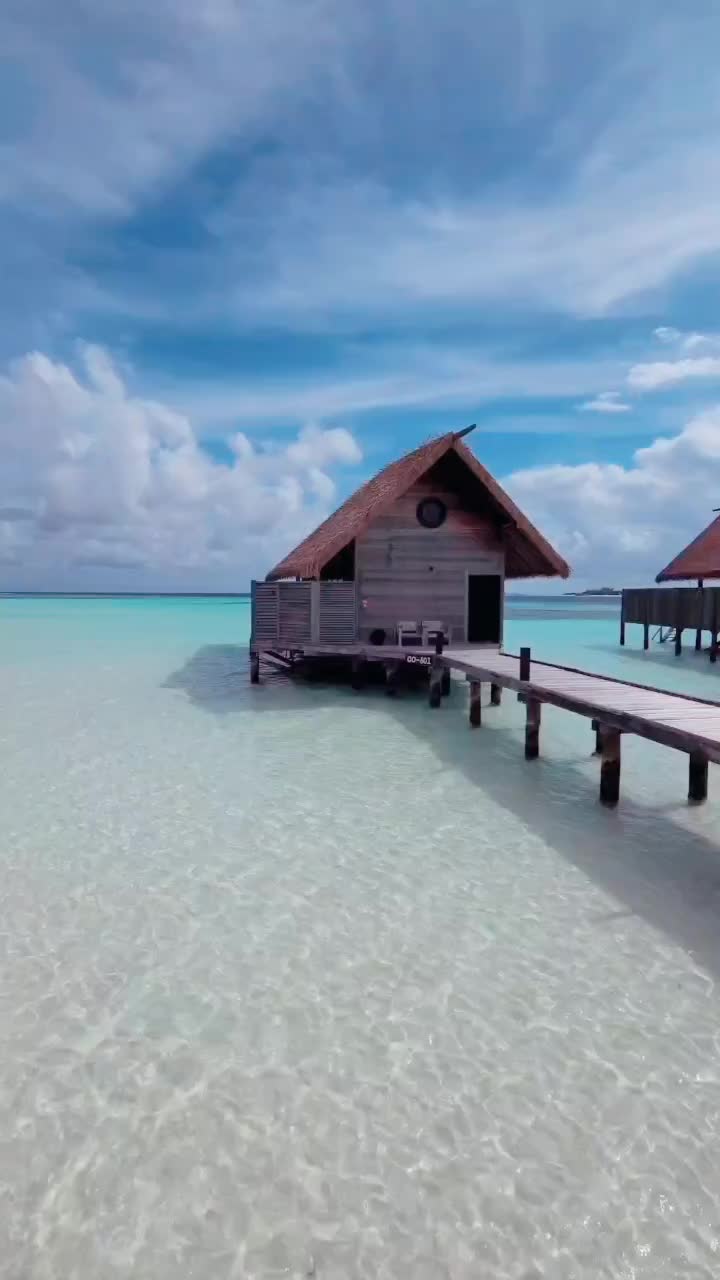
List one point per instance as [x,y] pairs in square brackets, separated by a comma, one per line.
[299,982]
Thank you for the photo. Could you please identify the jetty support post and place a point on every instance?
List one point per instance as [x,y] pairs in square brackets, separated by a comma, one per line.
[436,677]
[495,695]
[610,766]
[357,676]
[595,725]
[697,777]
[437,673]
[254,668]
[679,620]
[622,618]
[714,636]
[392,678]
[532,728]
[698,633]
[445,685]
[475,704]
[524,664]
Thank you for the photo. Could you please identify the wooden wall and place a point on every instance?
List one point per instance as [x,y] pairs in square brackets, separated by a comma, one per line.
[673,606]
[407,572]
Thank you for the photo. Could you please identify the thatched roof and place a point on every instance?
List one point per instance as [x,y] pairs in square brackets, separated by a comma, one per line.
[700,559]
[527,554]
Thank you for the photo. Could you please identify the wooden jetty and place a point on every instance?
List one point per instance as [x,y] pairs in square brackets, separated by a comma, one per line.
[615,707]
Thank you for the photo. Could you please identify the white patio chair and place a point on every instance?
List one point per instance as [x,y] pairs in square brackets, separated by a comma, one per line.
[408,633]
[430,629]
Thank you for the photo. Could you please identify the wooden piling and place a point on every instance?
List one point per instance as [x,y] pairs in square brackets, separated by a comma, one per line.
[698,633]
[392,677]
[597,730]
[436,674]
[697,777]
[532,729]
[475,704]
[445,684]
[357,678]
[495,695]
[524,664]
[254,668]
[646,635]
[678,625]
[622,618]
[610,766]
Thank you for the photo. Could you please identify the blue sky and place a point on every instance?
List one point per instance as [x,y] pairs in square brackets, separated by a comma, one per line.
[253,249]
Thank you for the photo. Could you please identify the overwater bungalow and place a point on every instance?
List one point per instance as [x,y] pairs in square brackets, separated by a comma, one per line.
[673,610]
[420,554]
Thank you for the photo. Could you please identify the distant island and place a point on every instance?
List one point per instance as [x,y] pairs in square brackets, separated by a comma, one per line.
[596,591]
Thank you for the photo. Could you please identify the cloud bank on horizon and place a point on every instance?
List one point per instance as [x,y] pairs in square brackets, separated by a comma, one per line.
[253,249]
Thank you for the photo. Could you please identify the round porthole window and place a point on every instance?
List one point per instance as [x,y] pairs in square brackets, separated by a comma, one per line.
[431,512]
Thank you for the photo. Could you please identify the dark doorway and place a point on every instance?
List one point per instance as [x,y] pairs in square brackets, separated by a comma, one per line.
[483,608]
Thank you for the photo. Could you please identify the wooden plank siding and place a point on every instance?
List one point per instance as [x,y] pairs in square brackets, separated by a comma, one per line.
[689,607]
[405,571]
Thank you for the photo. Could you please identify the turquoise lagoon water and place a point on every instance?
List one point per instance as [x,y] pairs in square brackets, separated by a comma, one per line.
[300,982]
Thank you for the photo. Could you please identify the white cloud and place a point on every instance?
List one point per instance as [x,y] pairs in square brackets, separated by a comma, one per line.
[405,377]
[164,83]
[623,524]
[651,375]
[605,402]
[664,373]
[95,476]
[686,341]
[358,193]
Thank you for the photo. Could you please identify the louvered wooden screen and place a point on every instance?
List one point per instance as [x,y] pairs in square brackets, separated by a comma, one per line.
[294,613]
[338,613]
[264,627]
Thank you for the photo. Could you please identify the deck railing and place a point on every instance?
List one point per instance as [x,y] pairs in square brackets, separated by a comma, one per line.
[292,615]
[695,608]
